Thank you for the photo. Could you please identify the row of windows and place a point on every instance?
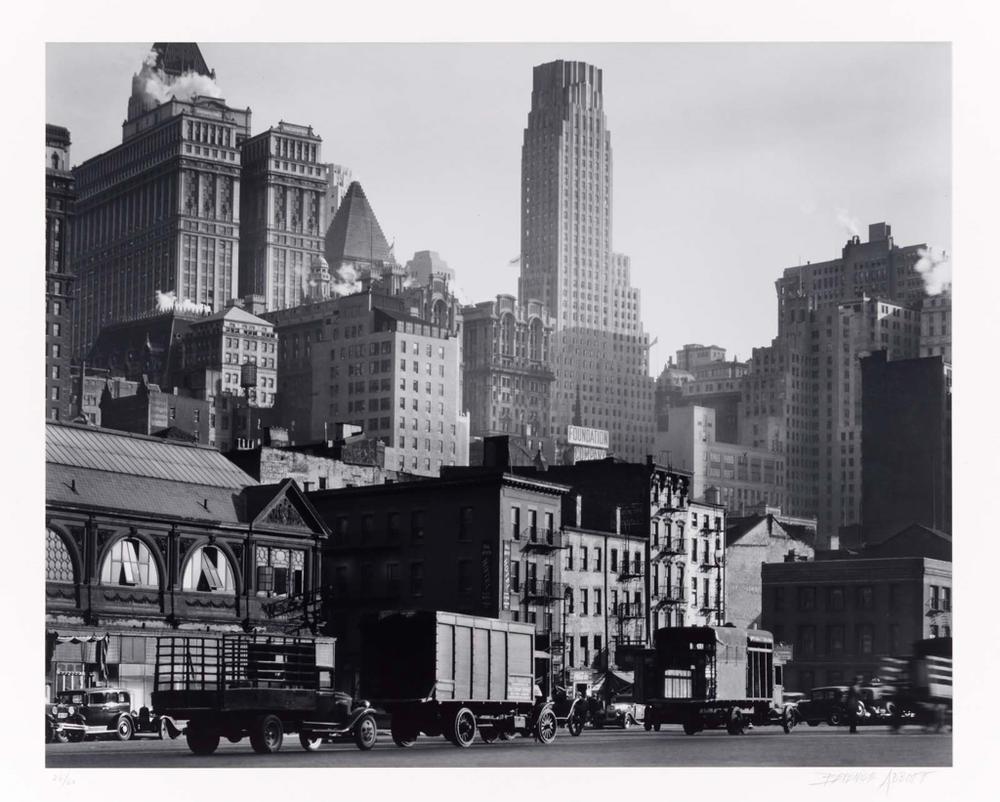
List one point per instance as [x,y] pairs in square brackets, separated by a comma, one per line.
[130,563]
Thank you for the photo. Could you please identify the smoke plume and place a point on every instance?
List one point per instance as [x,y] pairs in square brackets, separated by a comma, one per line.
[157,85]
[849,223]
[935,271]
[345,281]
[167,302]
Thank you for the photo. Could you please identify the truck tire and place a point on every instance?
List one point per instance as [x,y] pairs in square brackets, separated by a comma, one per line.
[124,728]
[691,726]
[462,731]
[546,726]
[310,742]
[403,735]
[574,726]
[202,742]
[266,734]
[365,733]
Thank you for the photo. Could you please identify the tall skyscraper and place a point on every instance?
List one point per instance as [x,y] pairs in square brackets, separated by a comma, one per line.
[59,197]
[160,212]
[600,354]
[802,396]
[282,213]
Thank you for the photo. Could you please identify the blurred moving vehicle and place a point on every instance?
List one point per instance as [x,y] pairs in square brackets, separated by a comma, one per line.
[828,704]
[919,686]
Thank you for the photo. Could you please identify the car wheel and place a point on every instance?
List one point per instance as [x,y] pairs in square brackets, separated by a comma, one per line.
[311,743]
[574,726]
[124,729]
[267,735]
[60,737]
[546,727]
[690,727]
[627,722]
[163,730]
[834,719]
[365,733]
[735,724]
[75,736]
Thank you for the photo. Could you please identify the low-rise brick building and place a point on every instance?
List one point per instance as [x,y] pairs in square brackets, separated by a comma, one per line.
[842,616]
[751,541]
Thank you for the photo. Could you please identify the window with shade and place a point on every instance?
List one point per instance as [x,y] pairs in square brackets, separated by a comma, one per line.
[208,570]
[130,563]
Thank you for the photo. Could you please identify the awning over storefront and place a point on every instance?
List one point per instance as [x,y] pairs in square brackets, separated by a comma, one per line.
[614,681]
[97,653]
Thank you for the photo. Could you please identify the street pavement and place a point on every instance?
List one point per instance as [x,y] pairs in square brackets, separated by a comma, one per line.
[764,746]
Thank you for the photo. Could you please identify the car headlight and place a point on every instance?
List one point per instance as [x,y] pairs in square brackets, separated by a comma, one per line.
[71,710]
[54,710]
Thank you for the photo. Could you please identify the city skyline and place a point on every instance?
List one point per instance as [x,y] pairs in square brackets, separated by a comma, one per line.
[784,180]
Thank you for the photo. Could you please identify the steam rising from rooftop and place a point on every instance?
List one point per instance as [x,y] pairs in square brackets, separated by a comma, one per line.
[167,302]
[153,83]
[849,223]
[935,271]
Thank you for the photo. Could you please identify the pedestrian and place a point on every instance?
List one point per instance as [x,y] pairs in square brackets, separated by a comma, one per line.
[853,702]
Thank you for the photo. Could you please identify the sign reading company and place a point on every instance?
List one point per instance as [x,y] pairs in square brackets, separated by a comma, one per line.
[584,436]
[487,575]
[505,582]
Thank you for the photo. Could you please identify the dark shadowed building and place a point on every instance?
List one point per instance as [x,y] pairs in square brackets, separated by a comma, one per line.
[905,444]
[59,201]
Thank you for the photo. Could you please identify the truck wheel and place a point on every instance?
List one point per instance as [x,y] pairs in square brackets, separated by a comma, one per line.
[546,727]
[202,742]
[403,736]
[365,733]
[691,727]
[309,742]
[463,729]
[124,729]
[574,726]
[267,734]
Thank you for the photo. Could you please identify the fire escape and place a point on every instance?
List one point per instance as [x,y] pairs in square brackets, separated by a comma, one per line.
[543,592]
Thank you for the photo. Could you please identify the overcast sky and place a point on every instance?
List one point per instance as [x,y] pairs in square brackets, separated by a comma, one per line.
[731,162]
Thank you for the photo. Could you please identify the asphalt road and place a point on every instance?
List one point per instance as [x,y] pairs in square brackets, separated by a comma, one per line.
[764,746]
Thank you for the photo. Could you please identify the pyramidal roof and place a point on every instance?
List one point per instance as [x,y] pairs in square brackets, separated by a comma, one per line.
[354,234]
[177,58]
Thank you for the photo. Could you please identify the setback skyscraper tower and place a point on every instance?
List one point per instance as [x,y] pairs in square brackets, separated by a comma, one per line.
[600,354]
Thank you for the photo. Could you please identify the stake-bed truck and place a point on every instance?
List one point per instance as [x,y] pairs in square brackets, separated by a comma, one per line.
[454,675]
[705,677]
[261,686]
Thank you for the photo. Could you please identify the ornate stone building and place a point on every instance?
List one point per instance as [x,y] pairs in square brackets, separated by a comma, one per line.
[59,198]
[507,379]
[145,537]
[160,212]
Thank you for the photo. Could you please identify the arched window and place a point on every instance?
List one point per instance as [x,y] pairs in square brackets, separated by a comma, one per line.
[55,161]
[129,562]
[208,570]
[58,563]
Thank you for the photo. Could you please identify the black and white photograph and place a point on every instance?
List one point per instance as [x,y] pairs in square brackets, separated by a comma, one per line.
[530,398]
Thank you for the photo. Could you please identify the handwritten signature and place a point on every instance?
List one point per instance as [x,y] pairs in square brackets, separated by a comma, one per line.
[886,782]
[62,779]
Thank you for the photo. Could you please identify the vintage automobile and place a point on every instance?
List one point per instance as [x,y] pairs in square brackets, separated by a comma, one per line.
[829,704]
[622,711]
[95,712]
[54,733]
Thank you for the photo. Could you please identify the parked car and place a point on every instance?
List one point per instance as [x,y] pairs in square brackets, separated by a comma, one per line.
[53,728]
[95,712]
[623,711]
[828,704]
